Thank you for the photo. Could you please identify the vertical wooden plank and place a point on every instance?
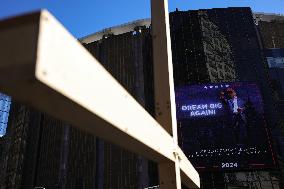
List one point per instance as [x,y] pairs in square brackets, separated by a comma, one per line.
[169,173]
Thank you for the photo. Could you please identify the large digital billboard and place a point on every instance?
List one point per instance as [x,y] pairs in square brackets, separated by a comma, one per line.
[222,126]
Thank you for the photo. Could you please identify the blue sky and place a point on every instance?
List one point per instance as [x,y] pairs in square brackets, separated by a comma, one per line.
[88,16]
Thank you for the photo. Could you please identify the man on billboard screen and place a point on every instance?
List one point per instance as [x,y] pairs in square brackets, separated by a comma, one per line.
[222,126]
[236,107]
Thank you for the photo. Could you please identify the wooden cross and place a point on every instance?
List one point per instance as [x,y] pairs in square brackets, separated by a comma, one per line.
[43,66]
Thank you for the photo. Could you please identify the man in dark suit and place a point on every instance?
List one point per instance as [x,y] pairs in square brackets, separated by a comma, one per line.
[236,107]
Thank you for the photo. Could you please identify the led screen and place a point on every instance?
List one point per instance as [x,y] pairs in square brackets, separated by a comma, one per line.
[222,126]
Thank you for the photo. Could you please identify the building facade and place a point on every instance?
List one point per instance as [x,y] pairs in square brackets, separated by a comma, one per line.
[127,56]
[45,152]
[201,53]
[197,37]
[271,28]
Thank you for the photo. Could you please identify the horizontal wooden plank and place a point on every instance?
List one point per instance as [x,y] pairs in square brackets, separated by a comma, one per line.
[43,66]
[189,176]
